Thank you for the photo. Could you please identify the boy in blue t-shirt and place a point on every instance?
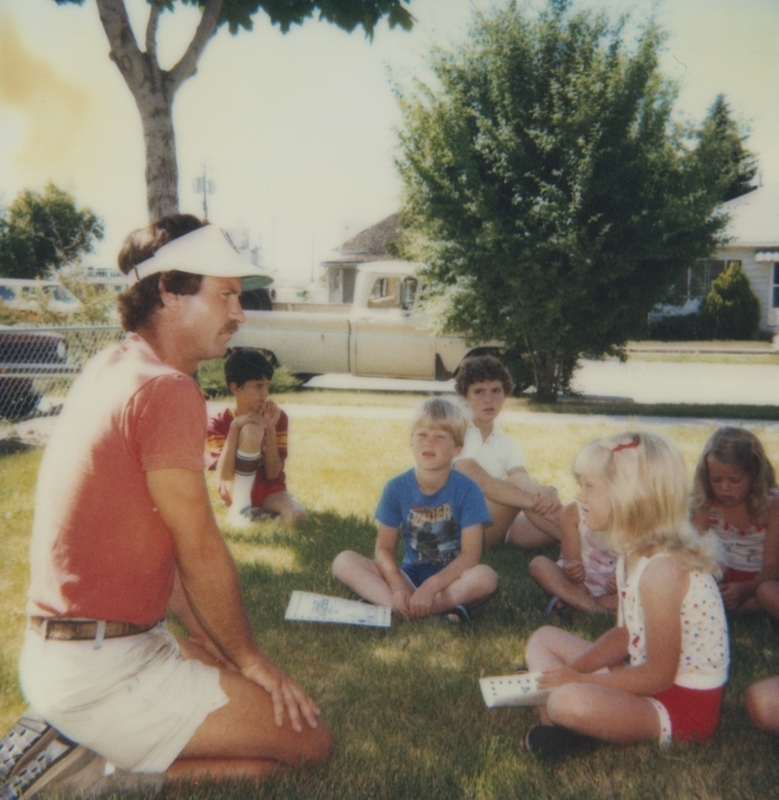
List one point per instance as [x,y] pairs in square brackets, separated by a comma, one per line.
[441,514]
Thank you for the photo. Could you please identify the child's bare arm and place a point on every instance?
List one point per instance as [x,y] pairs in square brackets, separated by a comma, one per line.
[700,521]
[734,594]
[662,588]
[510,493]
[770,570]
[546,502]
[608,650]
[506,493]
[384,555]
[571,544]
[272,463]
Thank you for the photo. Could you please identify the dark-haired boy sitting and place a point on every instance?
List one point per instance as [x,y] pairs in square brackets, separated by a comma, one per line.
[247,445]
[523,512]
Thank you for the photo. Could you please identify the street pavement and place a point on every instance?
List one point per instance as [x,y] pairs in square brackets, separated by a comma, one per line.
[668,382]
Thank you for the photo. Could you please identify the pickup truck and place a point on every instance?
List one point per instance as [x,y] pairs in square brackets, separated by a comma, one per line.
[29,361]
[381,333]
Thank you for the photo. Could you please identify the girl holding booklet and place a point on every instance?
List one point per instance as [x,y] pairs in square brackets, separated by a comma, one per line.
[659,674]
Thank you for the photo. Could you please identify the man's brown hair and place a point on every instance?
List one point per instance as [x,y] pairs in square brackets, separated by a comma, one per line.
[142,299]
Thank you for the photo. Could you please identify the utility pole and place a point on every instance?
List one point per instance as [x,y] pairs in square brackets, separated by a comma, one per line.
[206,186]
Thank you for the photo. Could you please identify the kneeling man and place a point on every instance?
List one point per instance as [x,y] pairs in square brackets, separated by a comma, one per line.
[124,529]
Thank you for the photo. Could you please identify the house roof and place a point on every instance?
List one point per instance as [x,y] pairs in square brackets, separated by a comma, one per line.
[369,244]
[754,218]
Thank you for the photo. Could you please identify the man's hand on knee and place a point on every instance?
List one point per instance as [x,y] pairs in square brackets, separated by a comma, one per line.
[285,694]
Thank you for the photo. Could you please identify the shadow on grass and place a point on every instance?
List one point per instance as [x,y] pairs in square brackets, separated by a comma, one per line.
[405,707]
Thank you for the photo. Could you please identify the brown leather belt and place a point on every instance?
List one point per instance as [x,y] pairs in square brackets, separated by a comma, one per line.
[84,629]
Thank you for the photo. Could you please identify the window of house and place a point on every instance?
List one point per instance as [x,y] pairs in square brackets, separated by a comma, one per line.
[704,273]
[697,280]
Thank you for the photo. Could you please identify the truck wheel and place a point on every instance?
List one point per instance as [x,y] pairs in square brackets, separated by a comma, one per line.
[17,398]
[441,372]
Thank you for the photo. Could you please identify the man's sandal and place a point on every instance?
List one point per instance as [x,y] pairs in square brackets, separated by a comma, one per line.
[33,755]
[29,730]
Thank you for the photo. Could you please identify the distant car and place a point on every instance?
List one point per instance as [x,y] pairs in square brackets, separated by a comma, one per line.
[34,295]
[29,362]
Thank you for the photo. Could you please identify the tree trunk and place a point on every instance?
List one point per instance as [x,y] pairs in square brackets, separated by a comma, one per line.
[153,89]
[547,385]
[553,374]
[162,177]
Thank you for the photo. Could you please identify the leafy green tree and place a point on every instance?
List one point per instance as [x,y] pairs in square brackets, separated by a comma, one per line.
[721,143]
[154,88]
[43,232]
[730,310]
[547,187]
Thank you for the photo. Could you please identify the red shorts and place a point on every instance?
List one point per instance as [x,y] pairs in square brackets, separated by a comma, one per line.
[261,491]
[731,575]
[694,713]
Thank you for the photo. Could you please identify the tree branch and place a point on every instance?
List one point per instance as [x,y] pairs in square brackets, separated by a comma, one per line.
[151,28]
[125,52]
[187,65]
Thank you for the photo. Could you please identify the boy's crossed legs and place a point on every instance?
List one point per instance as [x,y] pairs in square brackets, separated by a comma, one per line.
[362,576]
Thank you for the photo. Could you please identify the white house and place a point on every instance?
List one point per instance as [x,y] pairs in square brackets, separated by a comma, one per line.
[754,242]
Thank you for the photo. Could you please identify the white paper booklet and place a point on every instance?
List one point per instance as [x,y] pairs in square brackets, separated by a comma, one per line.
[513,690]
[311,607]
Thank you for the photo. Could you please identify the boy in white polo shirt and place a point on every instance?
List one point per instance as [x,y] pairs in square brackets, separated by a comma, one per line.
[523,512]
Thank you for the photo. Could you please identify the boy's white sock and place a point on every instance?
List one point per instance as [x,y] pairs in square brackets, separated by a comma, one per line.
[246,466]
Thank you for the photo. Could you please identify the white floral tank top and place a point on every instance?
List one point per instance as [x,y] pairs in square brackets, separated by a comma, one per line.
[705,652]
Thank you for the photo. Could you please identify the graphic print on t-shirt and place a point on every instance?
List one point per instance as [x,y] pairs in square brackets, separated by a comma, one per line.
[433,534]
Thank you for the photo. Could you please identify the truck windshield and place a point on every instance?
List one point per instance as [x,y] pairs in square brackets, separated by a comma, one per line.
[393,292]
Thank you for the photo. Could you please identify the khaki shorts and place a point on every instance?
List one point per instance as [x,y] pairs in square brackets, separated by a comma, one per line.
[134,700]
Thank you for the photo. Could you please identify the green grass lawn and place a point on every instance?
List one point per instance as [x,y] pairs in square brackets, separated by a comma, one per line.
[404,703]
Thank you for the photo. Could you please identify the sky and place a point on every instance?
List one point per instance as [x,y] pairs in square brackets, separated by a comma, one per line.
[297,132]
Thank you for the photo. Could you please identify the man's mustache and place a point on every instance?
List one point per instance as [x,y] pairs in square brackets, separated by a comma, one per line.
[230,328]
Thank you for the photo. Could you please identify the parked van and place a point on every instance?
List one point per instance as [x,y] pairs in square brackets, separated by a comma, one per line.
[32,295]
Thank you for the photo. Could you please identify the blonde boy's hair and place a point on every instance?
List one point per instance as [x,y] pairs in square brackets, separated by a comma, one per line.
[647,483]
[736,447]
[443,413]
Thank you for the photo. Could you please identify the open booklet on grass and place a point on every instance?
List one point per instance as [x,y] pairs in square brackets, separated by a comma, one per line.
[311,607]
[513,690]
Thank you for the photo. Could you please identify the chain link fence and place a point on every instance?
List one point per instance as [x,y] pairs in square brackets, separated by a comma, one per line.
[38,364]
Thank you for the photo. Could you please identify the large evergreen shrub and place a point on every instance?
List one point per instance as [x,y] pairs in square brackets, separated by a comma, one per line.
[730,310]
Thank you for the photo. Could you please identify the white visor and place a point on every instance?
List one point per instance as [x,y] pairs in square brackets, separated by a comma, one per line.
[205,251]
